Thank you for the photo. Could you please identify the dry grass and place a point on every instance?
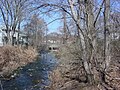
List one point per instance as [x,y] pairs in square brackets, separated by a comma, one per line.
[13,57]
[70,74]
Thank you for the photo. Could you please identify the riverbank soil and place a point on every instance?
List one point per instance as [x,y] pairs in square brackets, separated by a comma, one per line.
[70,74]
[13,57]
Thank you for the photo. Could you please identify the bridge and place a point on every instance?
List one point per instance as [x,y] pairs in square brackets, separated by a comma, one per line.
[53,47]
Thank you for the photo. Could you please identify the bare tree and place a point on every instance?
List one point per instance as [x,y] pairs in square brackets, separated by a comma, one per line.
[36,29]
[107,56]
[13,12]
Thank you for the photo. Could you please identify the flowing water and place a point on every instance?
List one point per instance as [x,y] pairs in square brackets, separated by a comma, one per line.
[34,76]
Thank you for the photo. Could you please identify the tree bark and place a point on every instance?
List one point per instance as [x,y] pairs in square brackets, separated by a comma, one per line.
[107,56]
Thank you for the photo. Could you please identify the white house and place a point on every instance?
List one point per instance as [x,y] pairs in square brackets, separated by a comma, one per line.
[3,37]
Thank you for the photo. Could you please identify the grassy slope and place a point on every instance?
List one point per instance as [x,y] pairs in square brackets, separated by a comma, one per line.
[13,57]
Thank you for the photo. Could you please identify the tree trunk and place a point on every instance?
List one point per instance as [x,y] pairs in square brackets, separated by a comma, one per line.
[18,33]
[91,37]
[107,56]
[64,28]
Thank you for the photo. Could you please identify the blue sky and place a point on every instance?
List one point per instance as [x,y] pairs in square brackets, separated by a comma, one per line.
[52,27]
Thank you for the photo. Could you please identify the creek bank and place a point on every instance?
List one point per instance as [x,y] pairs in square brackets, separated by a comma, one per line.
[12,58]
[33,76]
[70,73]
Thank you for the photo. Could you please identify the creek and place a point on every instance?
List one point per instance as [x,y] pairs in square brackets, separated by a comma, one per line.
[34,76]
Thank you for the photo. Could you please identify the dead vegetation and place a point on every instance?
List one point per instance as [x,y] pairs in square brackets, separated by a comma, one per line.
[70,74]
[13,57]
